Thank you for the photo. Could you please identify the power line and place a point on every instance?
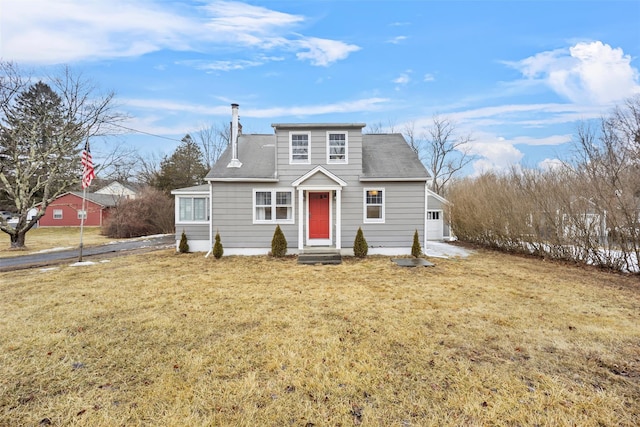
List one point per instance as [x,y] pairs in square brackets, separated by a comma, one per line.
[145,133]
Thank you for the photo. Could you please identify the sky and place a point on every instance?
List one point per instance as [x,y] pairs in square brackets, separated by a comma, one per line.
[517,76]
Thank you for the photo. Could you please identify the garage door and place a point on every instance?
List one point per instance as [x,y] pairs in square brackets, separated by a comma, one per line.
[435,225]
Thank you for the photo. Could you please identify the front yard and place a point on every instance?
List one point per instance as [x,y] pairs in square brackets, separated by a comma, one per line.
[167,339]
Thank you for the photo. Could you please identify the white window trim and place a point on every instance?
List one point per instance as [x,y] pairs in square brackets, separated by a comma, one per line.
[346,149]
[56,211]
[298,162]
[273,219]
[80,212]
[364,206]
[192,196]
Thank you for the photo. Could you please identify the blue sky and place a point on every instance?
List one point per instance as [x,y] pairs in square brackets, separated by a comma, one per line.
[516,75]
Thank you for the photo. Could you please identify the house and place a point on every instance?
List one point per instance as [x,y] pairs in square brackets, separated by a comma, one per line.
[118,189]
[66,210]
[319,182]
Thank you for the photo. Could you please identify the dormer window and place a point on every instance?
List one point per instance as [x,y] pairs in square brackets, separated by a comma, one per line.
[336,147]
[299,148]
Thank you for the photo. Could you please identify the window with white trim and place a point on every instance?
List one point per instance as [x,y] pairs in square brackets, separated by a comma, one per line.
[193,209]
[434,215]
[272,206]
[299,148]
[374,204]
[82,214]
[57,214]
[337,147]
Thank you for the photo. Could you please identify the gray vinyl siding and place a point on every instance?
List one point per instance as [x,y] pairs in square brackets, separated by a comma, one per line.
[232,216]
[318,143]
[404,213]
[193,231]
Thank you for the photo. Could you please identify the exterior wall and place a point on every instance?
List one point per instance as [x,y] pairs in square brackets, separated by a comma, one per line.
[318,143]
[117,189]
[232,217]
[70,204]
[404,214]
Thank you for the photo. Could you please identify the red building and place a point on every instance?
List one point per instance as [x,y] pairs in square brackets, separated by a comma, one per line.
[66,210]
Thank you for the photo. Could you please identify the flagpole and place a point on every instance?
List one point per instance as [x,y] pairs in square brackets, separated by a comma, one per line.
[82,215]
[88,173]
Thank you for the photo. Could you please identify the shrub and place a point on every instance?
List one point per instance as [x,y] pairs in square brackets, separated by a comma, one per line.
[416,249]
[218,250]
[151,212]
[360,246]
[183,247]
[278,243]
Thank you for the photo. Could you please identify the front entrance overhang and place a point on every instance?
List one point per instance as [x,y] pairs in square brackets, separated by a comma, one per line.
[319,180]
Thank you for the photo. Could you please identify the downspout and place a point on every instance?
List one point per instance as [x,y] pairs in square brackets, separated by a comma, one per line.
[426,213]
[210,219]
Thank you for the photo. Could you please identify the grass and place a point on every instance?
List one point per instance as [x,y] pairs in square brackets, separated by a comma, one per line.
[45,238]
[167,339]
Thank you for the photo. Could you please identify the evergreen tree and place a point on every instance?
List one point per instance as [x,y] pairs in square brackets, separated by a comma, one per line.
[218,250]
[278,243]
[184,168]
[360,246]
[183,247]
[416,249]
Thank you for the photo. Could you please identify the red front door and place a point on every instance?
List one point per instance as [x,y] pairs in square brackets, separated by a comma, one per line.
[318,215]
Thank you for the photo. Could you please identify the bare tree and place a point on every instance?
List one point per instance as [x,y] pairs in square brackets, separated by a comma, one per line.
[213,140]
[42,128]
[445,152]
[148,168]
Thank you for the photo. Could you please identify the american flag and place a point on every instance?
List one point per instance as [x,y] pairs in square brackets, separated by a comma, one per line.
[88,173]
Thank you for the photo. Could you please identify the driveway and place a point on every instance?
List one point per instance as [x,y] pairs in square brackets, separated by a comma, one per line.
[41,259]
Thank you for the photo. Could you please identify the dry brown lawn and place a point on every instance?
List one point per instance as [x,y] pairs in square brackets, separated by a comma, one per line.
[170,340]
[47,238]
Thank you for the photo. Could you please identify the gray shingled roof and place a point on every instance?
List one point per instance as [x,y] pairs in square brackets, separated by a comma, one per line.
[257,154]
[384,157]
[388,156]
[203,188]
[106,200]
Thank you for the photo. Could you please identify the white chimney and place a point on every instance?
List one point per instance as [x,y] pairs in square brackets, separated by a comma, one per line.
[234,163]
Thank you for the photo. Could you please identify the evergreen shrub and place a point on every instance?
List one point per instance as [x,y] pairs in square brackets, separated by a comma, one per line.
[360,246]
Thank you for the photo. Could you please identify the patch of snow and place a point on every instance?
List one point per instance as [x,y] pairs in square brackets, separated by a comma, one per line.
[48,269]
[83,263]
[105,260]
[445,250]
[53,250]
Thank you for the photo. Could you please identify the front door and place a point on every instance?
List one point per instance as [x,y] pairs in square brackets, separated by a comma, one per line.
[319,216]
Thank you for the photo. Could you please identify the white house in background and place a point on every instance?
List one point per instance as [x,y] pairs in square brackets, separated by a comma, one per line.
[119,190]
[319,182]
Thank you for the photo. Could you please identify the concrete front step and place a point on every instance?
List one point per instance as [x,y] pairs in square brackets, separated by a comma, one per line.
[312,258]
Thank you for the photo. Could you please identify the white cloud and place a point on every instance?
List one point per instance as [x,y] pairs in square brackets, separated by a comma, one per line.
[323,52]
[169,106]
[588,72]
[494,153]
[397,39]
[402,79]
[550,164]
[63,31]
[428,78]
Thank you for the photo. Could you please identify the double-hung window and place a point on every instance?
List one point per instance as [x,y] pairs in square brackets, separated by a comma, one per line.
[374,204]
[337,147]
[57,214]
[299,148]
[193,209]
[273,206]
[82,214]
